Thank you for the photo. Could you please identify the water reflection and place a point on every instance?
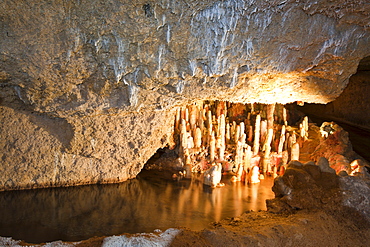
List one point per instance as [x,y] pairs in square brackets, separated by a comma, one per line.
[139,205]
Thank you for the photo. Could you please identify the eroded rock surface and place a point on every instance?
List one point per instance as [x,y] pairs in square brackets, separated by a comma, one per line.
[88,88]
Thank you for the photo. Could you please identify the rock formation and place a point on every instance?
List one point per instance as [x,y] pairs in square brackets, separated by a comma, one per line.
[89,90]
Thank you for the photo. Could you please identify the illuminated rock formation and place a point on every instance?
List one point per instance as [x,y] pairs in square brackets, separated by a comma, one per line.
[89,91]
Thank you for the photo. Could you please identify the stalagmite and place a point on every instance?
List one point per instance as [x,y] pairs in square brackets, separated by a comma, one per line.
[304,128]
[178,119]
[205,136]
[201,119]
[295,152]
[198,138]
[183,135]
[247,157]
[270,133]
[294,137]
[263,131]
[238,161]
[222,130]
[227,135]
[250,134]
[212,147]
[282,140]
[209,121]
[237,134]
[233,130]
[267,149]
[256,143]
[213,175]
[190,141]
[193,116]
[287,140]
[242,128]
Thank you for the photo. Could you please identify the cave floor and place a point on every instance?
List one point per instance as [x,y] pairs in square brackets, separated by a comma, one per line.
[303,228]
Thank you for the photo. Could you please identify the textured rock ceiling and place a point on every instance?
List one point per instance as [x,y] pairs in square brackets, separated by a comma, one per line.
[98,70]
[80,55]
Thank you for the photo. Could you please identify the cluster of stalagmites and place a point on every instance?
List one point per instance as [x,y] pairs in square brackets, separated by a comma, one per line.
[250,141]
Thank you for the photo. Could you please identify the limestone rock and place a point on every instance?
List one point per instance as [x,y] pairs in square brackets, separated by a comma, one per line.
[212,176]
[110,74]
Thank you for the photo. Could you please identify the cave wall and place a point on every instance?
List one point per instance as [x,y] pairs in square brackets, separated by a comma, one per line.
[353,104]
[88,89]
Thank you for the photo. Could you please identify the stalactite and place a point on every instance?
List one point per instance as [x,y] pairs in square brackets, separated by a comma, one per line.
[186,114]
[285,117]
[178,119]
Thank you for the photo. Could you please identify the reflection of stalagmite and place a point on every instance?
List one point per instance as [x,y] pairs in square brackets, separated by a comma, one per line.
[256,143]
[253,176]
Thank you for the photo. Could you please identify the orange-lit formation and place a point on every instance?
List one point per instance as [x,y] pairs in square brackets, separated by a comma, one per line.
[250,141]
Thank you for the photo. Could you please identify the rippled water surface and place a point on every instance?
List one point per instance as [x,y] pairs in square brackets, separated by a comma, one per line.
[143,204]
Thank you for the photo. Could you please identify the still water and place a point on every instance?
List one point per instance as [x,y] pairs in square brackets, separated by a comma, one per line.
[143,204]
